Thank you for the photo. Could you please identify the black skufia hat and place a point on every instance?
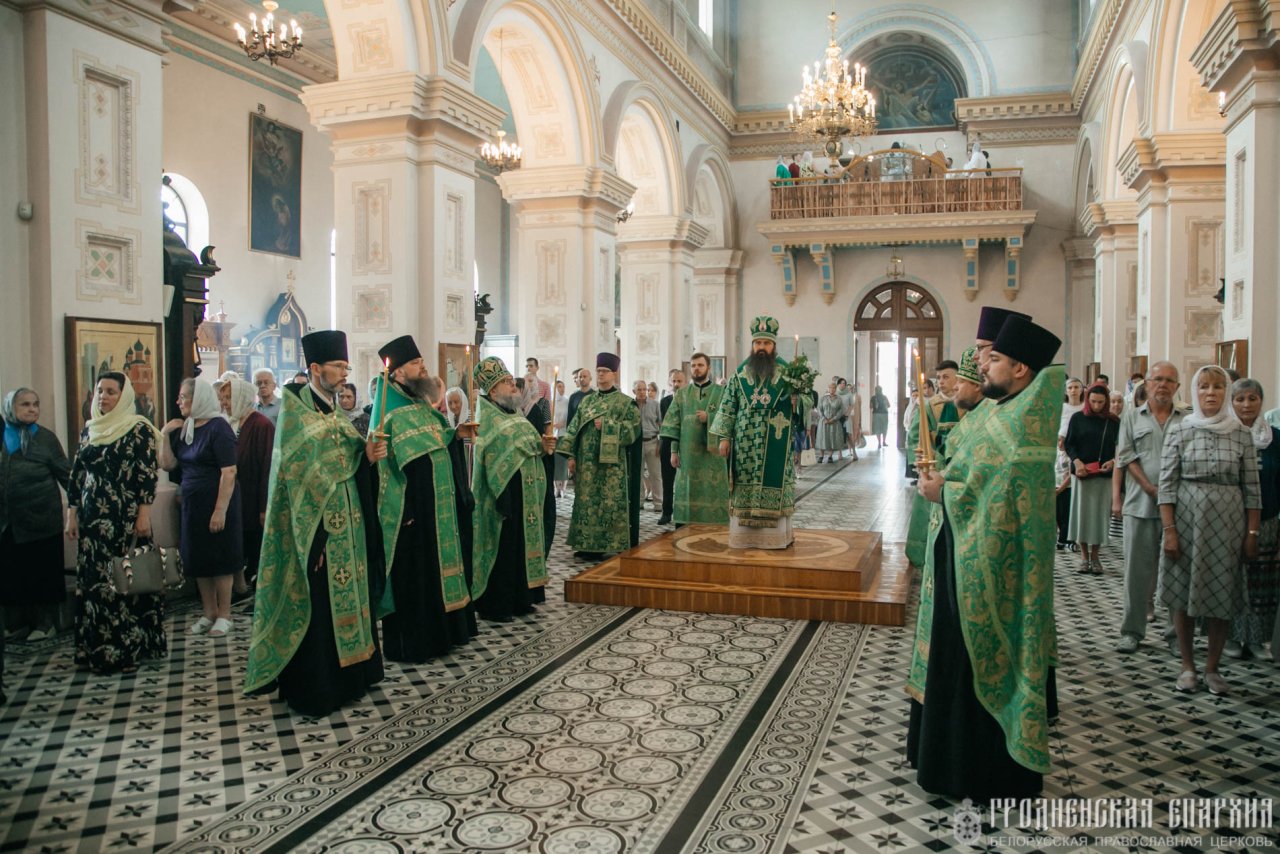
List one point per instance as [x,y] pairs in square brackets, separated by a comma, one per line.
[1032,345]
[992,319]
[327,345]
[398,352]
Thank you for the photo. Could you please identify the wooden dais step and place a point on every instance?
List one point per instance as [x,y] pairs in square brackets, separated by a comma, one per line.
[863,582]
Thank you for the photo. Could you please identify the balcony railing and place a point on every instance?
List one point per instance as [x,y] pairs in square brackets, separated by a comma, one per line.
[895,182]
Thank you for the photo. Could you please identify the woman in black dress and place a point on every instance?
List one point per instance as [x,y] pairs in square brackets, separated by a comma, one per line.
[32,467]
[110,493]
[201,452]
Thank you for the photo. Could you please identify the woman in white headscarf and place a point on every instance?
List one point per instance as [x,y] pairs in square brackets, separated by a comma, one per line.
[1209,502]
[110,493]
[457,409]
[200,450]
[255,437]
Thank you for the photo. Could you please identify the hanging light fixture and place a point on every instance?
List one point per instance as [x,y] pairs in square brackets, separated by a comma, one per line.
[896,269]
[833,103]
[500,155]
[264,40]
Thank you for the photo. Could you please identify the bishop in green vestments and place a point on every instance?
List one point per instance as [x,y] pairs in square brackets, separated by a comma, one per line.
[756,417]
[322,571]
[985,636]
[596,442]
[702,478]
[509,482]
[423,508]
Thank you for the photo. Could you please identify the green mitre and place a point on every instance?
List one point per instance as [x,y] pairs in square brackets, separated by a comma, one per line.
[490,372]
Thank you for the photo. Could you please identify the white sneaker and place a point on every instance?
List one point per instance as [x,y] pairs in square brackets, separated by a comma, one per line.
[200,626]
[220,627]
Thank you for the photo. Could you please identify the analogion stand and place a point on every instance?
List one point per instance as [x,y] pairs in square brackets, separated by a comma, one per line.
[838,576]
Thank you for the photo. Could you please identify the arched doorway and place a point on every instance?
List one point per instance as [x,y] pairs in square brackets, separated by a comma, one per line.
[899,319]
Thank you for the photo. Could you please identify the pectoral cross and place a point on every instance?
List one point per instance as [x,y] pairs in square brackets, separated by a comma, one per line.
[778,422]
[761,397]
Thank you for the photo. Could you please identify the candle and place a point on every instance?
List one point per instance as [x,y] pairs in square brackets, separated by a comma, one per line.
[386,377]
[470,385]
[797,355]
[555,378]
[926,439]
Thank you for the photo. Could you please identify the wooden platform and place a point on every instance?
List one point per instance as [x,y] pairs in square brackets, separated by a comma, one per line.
[840,576]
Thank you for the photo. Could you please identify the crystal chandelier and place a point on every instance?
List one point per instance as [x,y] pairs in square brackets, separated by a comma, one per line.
[501,155]
[263,39]
[835,104]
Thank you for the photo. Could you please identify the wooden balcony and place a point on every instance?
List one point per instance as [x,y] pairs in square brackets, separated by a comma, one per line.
[854,194]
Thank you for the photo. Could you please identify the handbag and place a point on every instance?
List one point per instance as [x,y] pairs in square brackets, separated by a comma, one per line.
[808,457]
[146,569]
[1262,585]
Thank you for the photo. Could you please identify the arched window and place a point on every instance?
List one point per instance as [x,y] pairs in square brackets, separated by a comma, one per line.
[705,13]
[184,206]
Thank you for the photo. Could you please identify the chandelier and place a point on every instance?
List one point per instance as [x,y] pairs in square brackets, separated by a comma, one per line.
[501,155]
[896,269]
[833,103]
[264,40]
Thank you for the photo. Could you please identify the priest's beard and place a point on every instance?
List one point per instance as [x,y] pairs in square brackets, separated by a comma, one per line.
[761,367]
[510,402]
[994,390]
[419,387]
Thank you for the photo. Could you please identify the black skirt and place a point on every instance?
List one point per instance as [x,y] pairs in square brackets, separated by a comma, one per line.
[31,573]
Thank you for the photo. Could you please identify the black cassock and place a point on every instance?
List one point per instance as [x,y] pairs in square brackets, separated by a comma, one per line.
[539,416]
[420,629]
[312,683]
[953,742]
[508,593]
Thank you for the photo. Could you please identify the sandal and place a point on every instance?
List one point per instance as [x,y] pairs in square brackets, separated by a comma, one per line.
[200,626]
[220,627]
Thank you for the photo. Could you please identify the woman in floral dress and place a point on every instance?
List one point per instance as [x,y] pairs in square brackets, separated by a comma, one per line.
[113,484]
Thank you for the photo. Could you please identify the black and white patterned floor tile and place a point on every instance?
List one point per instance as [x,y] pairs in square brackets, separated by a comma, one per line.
[600,729]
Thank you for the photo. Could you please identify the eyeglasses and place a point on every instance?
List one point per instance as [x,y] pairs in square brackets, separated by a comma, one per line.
[1163,380]
[342,366]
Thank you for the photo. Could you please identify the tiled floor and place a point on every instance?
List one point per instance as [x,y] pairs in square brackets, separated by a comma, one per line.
[604,729]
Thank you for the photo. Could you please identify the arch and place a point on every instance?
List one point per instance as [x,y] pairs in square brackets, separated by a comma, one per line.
[197,210]
[1134,53]
[393,37]
[941,28]
[1085,178]
[1178,101]
[630,100]
[1119,131]
[545,72]
[707,164]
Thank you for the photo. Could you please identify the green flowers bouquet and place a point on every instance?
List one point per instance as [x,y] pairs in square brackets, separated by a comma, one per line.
[799,374]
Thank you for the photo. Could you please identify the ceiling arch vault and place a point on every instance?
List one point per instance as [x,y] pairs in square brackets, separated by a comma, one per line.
[640,133]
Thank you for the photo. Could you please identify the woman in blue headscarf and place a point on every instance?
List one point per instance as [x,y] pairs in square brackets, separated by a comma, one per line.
[32,467]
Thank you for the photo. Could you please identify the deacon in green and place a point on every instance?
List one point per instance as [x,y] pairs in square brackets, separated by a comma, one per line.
[702,479]
[314,626]
[424,506]
[979,713]
[596,442]
[943,416]
[509,479]
[757,414]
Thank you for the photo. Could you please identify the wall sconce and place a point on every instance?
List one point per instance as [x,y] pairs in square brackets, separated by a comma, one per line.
[626,213]
[1222,104]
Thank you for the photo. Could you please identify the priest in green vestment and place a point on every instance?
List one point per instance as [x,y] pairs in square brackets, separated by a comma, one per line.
[597,442]
[942,416]
[321,572]
[509,482]
[423,510]
[757,414]
[980,683]
[702,478]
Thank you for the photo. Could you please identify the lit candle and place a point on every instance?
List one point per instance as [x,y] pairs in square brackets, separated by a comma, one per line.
[386,377]
[555,378]
[470,385]
[797,355]
[926,440]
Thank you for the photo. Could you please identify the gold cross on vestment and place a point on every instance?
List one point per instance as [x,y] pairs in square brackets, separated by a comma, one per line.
[342,576]
[779,422]
[761,396]
[531,518]
[337,521]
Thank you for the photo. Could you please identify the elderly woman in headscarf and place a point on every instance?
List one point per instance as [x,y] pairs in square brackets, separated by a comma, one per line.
[110,492]
[32,467]
[1210,508]
[457,409]
[1250,631]
[255,436]
[200,450]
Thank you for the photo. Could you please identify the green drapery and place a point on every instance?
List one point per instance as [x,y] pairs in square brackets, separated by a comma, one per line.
[998,492]
[506,446]
[313,466]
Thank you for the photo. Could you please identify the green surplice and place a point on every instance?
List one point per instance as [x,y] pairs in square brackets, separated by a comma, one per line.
[942,419]
[601,509]
[757,418]
[998,493]
[312,484]
[702,481]
[506,446]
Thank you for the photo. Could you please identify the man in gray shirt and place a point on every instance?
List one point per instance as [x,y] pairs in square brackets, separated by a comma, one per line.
[650,424]
[1142,432]
[267,403]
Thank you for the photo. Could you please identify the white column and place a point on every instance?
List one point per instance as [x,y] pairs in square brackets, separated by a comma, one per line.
[1078,252]
[563,263]
[716,278]
[1116,270]
[404,185]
